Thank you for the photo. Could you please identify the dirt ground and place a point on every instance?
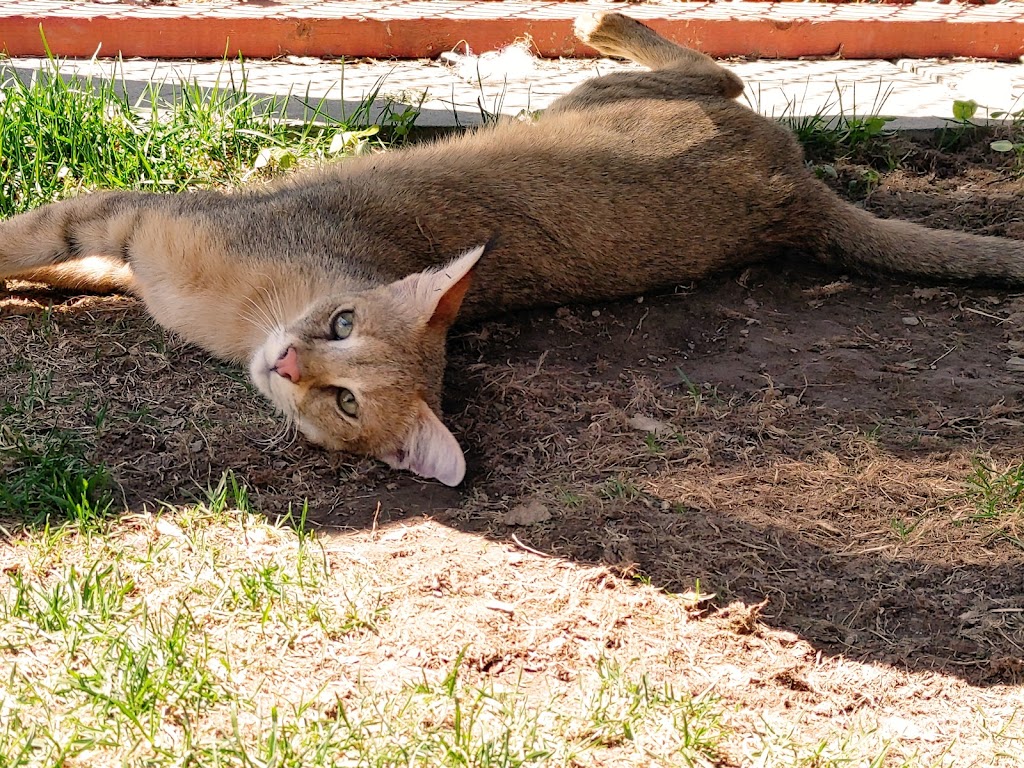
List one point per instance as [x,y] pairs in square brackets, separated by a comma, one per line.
[793,440]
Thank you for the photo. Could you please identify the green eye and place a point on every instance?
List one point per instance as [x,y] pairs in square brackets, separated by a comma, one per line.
[341,325]
[347,402]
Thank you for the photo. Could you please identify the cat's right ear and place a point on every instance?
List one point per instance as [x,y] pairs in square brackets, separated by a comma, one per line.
[447,308]
[438,293]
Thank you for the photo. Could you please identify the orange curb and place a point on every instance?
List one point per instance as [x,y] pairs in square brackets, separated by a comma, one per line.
[417,28]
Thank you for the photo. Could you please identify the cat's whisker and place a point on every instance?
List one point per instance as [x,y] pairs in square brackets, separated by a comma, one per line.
[290,434]
[259,324]
[259,317]
[284,437]
[252,319]
[262,310]
[276,306]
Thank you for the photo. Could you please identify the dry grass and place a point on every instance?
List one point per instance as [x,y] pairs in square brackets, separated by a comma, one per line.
[774,524]
[205,633]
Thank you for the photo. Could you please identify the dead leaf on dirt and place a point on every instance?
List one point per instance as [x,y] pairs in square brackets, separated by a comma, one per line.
[793,680]
[829,289]
[695,599]
[741,617]
[501,607]
[530,513]
[926,294]
[647,424]
[167,528]
[620,551]
[907,367]
[1015,364]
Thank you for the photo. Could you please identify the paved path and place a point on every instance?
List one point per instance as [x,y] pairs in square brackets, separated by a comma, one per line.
[919,93]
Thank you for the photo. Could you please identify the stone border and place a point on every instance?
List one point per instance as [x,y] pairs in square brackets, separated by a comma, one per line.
[425,28]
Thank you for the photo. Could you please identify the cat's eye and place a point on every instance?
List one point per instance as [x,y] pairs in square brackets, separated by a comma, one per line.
[341,325]
[347,402]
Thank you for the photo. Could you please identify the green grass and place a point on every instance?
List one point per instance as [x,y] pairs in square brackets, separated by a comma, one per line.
[205,635]
[998,499]
[619,488]
[861,746]
[109,651]
[47,479]
[624,709]
[829,136]
[840,127]
[62,134]
[46,475]
[184,638]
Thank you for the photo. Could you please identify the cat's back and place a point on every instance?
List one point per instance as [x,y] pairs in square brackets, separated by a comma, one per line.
[662,146]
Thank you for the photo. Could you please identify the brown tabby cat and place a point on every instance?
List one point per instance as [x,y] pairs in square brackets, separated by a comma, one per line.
[337,285]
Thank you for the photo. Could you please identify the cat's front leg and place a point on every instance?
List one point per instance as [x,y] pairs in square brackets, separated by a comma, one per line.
[78,243]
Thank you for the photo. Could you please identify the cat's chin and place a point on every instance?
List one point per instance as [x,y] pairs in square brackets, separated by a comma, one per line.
[260,374]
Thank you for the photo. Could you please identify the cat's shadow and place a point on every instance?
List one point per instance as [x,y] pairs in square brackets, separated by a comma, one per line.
[813,435]
[772,395]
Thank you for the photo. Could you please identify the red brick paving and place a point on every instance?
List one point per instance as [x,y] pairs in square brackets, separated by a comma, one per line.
[423,28]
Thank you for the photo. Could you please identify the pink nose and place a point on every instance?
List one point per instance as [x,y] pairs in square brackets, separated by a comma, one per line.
[288,365]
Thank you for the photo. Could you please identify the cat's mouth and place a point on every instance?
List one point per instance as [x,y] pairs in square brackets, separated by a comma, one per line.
[264,373]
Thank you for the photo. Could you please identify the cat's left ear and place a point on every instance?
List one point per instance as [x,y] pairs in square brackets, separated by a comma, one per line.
[438,293]
[430,450]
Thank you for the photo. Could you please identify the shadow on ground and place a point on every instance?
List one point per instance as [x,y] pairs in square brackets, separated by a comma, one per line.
[793,438]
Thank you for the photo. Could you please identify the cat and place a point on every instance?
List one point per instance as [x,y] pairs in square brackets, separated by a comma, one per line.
[337,286]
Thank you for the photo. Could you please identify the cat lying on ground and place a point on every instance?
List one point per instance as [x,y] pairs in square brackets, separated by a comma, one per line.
[338,286]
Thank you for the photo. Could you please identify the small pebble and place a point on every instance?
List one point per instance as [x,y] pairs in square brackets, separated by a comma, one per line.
[527,514]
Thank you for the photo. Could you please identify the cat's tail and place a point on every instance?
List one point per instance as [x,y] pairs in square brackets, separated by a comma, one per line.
[854,238]
[81,243]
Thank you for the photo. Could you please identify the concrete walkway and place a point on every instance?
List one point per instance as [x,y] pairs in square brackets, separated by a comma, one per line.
[919,93]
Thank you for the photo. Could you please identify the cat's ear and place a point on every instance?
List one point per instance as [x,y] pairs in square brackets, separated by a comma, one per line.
[438,293]
[430,450]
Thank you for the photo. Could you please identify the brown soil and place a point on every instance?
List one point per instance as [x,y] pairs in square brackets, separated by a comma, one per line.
[815,433]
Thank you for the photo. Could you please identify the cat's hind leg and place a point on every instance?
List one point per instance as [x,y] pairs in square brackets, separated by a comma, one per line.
[614,34]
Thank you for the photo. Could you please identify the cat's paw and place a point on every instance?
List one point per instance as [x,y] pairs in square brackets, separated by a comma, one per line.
[587,24]
[604,31]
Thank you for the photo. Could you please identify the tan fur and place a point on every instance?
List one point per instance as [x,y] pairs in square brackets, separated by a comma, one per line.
[632,182]
[96,274]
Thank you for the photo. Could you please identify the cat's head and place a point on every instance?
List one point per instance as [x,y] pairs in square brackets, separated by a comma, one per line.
[362,372]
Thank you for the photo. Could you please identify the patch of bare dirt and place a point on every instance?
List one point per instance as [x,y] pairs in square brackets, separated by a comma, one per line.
[796,441]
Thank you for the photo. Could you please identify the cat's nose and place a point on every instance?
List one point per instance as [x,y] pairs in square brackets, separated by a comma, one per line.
[287,365]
